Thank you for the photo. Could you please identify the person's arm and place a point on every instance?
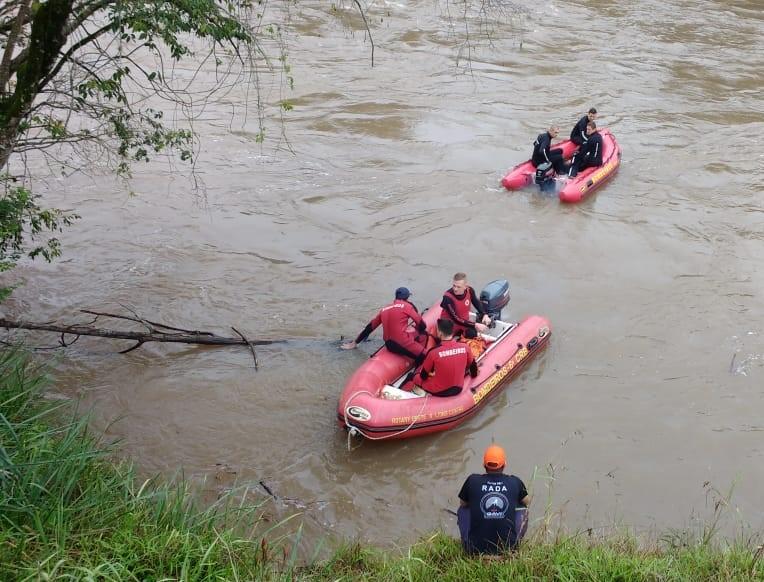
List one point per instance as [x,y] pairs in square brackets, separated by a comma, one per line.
[370,327]
[449,306]
[482,316]
[472,368]
[522,495]
[597,155]
[464,496]
[581,127]
[427,368]
[545,144]
[413,314]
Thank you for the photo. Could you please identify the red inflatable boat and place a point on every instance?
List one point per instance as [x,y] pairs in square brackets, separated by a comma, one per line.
[586,182]
[366,407]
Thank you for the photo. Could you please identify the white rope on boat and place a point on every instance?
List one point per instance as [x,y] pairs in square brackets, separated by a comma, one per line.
[354,430]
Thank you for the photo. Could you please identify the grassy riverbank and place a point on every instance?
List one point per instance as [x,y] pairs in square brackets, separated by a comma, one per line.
[66,511]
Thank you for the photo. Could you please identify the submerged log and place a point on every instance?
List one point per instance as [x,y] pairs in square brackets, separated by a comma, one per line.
[154,332]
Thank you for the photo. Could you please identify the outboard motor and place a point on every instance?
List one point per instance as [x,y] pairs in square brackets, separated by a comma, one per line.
[495,297]
[545,175]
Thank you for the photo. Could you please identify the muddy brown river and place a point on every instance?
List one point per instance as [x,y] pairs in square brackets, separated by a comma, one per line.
[650,392]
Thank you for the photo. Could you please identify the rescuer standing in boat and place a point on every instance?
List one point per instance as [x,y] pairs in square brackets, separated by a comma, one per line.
[492,516]
[394,318]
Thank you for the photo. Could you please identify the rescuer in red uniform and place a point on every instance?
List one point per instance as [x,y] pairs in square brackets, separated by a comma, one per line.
[446,364]
[394,318]
[456,305]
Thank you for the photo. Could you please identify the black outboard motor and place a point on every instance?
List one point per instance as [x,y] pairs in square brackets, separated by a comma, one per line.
[495,297]
[545,175]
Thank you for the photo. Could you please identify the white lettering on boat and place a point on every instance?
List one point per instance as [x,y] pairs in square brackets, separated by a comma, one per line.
[436,415]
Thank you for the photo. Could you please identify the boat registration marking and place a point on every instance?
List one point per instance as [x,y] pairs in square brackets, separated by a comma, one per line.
[598,175]
[496,379]
[426,416]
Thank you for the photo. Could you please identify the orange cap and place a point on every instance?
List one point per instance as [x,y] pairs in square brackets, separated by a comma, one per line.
[494,457]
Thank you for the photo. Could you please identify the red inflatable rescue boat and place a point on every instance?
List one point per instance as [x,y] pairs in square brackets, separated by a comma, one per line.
[587,180]
[373,405]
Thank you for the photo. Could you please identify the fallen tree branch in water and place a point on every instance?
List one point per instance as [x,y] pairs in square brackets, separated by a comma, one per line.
[249,343]
[155,332]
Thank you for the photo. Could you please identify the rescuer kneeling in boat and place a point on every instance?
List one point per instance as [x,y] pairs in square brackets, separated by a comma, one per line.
[588,155]
[395,321]
[457,304]
[445,365]
[543,154]
[492,516]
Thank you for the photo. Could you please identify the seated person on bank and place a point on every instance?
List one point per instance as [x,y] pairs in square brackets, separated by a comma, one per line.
[446,364]
[492,516]
[590,154]
[394,318]
[543,154]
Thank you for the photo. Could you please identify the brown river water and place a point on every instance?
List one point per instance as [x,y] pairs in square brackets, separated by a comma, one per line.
[650,392]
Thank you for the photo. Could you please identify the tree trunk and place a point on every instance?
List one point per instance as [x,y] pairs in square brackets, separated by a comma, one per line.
[166,334]
[196,337]
[46,40]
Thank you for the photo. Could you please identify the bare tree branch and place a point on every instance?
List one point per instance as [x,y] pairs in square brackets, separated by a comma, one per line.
[371,40]
[249,343]
[203,338]
[141,320]
[73,49]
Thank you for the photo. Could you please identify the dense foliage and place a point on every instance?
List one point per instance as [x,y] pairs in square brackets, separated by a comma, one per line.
[80,73]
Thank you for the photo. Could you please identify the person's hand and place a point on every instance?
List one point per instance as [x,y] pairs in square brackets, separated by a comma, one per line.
[481,327]
[349,345]
[486,319]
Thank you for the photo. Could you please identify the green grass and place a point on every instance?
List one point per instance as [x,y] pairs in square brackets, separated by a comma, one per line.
[569,559]
[67,512]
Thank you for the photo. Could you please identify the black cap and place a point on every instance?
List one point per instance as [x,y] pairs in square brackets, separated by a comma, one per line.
[402,293]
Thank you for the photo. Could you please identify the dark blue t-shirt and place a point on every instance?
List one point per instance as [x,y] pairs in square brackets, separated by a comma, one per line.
[492,499]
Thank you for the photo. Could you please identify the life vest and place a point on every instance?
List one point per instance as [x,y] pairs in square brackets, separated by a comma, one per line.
[462,306]
[477,346]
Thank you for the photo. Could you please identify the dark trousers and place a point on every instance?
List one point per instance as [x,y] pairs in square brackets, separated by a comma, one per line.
[580,162]
[463,521]
[396,348]
[452,391]
[558,162]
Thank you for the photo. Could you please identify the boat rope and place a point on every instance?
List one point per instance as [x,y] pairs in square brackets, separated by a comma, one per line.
[354,430]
